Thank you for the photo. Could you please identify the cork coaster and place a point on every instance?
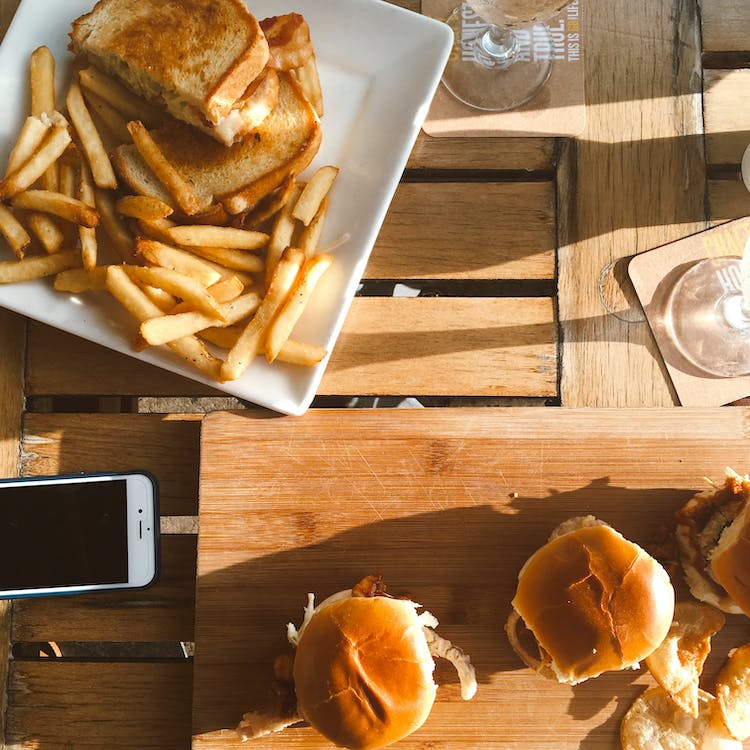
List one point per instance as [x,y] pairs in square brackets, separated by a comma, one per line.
[557,110]
[654,274]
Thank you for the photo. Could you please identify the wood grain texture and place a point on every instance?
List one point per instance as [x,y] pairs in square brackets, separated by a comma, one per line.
[167,447]
[511,154]
[726,112]
[480,346]
[728,199]
[446,346]
[633,181]
[162,612]
[467,231]
[447,504]
[725,25]
[144,705]
[12,330]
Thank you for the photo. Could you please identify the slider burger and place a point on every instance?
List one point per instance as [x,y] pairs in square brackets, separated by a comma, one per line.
[589,601]
[363,665]
[713,537]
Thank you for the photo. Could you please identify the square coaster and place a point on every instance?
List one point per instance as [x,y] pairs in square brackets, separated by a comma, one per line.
[557,110]
[654,274]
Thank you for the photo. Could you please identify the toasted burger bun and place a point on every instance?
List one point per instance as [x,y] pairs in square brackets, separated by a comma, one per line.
[713,535]
[363,671]
[593,601]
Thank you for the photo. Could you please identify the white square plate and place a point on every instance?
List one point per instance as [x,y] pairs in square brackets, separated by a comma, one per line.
[379,67]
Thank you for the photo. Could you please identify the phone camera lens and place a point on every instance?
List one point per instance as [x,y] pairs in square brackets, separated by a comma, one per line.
[105,519]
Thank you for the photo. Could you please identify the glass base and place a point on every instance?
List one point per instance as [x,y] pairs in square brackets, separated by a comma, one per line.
[497,79]
[706,318]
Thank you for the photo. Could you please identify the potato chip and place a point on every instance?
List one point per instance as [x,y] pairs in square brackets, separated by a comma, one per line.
[655,722]
[677,664]
[733,693]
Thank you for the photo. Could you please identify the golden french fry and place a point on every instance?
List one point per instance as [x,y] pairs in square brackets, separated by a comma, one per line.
[167,175]
[46,231]
[129,105]
[156,229]
[77,280]
[29,139]
[68,183]
[282,233]
[87,235]
[137,303]
[118,234]
[267,207]
[42,74]
[13,231]
[227,289]
[179,285]
[70,209]
[201,235]
[291,310]
[733,693]
[143,207]
[298,353]
[224,338]
[312,196]
[38,266]
[161,298]
[249,343]
[309,81]
[50,150]
[309,238]
[91,141]
[166,328]
[236,260]
[42,84]
[112,120]
[178,260]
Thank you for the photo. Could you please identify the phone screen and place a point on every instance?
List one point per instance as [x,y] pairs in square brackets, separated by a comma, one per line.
[63,534]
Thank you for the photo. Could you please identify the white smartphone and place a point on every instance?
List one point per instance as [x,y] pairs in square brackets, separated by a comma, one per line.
[78,533]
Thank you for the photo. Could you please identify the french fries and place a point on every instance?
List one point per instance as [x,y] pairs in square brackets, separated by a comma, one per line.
[13,231]
[188,274]
[46,231]
[167,175]
[314,193]
[167,328]
[91,141]
[49,151]
[142,207]
[29,139]
[201,235]
[292,309]
[38,266]
[57,204]
[130,106]
[248,345]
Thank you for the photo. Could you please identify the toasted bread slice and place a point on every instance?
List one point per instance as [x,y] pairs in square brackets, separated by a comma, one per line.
[196,57]
[236,177]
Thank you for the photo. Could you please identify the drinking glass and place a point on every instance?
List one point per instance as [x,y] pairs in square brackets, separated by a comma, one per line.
[502,55]
[708,310]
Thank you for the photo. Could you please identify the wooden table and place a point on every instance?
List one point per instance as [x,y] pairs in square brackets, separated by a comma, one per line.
[507,239]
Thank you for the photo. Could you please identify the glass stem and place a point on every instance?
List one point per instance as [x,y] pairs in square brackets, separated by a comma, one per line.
[735,312]
[499,44]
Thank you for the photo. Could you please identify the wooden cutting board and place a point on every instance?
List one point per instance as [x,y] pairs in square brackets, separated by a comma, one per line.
[447,504]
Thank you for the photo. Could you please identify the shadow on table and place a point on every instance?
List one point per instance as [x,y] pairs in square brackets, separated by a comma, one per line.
[461,563]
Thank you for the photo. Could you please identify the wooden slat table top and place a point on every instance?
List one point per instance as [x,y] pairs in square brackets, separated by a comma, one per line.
[507,238]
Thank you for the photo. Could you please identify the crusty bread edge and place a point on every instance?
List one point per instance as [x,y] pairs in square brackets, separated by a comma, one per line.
[246,68]
[247,196]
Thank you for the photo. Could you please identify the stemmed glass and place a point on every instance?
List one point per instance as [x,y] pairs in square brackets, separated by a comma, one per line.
[502,55]
[708,310]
